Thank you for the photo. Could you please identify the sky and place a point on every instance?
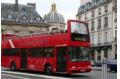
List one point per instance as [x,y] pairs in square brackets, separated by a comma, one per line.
[68,8]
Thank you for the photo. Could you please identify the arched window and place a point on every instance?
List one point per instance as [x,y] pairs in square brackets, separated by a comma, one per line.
[10,16]
[99,11]
[105,22]
[24,11]
[38,18]
[9,9]
[106,8]
[92,26]
[24,17]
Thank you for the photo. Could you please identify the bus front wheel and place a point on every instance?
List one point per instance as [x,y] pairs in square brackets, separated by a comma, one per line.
[48,69]
[13,66]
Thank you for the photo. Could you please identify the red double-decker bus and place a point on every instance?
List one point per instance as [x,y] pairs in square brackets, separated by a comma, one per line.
[66,52]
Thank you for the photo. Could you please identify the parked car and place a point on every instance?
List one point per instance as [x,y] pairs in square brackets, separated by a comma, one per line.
[98,64]
[112,65]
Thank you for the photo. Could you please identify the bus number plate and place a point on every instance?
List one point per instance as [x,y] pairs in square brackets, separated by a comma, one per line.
[82,70]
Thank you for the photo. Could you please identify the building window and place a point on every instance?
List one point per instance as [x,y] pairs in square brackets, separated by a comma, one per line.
[92,13]
[2,31]
[99,55]
[16,32]
[9,16]
[92,39]
[99,37]
[105,53]
[24,11]
[115,20]
[92,26]
[24,17]
[9,32]
[105,37]
[99,24]
[37,18]
[99,11]
[22,33]
[106,22]
[85,16]
[31,32]
[106,8]
[9,9]
[92,56]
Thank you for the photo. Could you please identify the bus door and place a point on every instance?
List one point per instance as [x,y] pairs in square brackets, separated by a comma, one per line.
[61,59]
[23,58]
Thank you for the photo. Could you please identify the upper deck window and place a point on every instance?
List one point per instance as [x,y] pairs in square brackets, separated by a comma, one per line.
[79,31]
[79,28]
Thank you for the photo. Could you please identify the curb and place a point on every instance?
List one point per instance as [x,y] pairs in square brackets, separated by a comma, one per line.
[97,68]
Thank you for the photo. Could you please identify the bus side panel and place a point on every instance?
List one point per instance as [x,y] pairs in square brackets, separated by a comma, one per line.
[39,63]
[52,62]
[17,61]
[6,61]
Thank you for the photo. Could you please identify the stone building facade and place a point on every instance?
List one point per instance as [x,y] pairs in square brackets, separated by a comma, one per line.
[115,27]
[21,19]
[99,15]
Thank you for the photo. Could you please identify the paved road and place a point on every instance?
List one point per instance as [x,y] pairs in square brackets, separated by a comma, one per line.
[7,74]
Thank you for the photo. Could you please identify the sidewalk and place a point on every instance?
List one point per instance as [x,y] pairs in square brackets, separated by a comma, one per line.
[97,68]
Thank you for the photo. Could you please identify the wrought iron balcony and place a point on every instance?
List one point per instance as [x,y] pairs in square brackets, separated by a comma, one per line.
[107,43]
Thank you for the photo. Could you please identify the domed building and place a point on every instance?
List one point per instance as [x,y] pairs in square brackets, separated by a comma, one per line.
[55,20]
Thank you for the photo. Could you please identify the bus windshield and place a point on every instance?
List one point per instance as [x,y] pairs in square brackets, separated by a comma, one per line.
[79,28]
[79,53]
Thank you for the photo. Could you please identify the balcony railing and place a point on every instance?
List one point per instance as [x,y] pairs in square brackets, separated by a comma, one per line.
[101,44]
[107,43]
[106,25]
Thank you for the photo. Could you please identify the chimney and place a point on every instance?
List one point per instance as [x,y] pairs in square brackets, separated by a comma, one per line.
[16,5]
[32,5]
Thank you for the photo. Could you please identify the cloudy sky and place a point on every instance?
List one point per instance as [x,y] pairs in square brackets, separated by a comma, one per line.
[68,8]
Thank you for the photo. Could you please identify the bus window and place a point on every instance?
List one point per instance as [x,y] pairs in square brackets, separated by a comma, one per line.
[41,52]
[79,53]
[50,52]
[11,52]
[79,28]
[79,32]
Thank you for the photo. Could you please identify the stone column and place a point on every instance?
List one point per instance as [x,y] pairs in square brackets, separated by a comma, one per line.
[112,52]
[102,54]
[96,53]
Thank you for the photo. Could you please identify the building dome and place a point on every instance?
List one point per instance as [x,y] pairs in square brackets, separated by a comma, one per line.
[54,16]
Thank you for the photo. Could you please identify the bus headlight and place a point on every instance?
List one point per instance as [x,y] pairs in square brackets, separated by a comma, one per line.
[89,66]
[73,67]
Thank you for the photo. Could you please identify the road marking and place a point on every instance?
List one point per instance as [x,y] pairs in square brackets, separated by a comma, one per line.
[35,75]
[15,76]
